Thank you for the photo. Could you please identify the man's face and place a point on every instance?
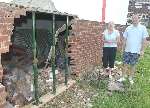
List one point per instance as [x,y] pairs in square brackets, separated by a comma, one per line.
[135,19]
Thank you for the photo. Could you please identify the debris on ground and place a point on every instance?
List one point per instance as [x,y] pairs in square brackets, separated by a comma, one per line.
[86,89]
[78,96]
[115,86]
[18,80]
[75,97]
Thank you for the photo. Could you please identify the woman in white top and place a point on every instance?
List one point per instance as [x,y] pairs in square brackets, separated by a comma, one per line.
[111,38]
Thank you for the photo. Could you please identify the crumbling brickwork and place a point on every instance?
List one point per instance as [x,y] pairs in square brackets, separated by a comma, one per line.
[85,45]
[3,96]
[7,15]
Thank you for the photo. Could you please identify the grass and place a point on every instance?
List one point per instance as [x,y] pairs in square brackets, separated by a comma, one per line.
[136,96]
[119,56]
[148,30]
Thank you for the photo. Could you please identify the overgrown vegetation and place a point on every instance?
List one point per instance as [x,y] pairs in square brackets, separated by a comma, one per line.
[135,96]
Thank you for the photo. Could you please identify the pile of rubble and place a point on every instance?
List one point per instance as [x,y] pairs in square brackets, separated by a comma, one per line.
[18,80]
[87,88]
[74,97]
[111,81]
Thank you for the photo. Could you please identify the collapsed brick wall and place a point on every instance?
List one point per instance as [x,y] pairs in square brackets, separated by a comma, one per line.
[85,45]
[7,15]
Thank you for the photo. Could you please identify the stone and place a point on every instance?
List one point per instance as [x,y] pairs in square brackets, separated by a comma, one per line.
[19,99]
[8,105]
[115,86]
[109,93]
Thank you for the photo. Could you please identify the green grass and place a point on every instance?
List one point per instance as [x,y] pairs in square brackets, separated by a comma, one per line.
[136,96]
[119,56]
[148,30]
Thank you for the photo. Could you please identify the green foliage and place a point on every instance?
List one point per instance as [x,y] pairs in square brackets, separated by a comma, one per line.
[119,56]
[148,30]
[135,96]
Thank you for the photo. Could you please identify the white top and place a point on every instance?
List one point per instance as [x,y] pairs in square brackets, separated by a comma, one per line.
[134,37]
[110,40]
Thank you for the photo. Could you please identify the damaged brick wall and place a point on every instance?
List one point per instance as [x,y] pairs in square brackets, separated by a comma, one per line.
[86,42]
[7,15]
[85,45]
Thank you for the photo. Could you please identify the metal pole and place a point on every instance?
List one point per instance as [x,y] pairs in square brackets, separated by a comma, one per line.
[103,10]
[66,51]
[35,69]
[53,56]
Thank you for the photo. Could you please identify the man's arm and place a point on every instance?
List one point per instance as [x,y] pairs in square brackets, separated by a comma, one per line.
[124,37]
[143,46]
[145,35]
[118,38]
[123,44]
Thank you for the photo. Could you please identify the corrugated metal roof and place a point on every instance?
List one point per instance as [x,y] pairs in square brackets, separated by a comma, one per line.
[46,6]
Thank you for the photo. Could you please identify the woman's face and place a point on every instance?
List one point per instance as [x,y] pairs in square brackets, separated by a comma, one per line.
[111,26]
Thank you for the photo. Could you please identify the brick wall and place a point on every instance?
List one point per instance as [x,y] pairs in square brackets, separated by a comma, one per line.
[85,42]
[7,15]
[85,45]
[2,96]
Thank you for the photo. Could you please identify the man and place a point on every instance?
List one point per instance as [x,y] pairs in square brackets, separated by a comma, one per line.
[134,37]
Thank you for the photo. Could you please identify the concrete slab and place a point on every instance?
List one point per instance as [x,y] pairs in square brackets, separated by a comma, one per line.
[48,97]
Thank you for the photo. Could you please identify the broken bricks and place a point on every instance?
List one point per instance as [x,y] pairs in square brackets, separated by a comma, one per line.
[2,95]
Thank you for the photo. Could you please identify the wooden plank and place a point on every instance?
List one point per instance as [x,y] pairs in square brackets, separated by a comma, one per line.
[49,96]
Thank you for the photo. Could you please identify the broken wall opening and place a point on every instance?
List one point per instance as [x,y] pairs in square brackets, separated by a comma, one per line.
[17,63]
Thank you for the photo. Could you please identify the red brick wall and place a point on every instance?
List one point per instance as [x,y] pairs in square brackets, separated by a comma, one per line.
[86,45]
[2,96]
[7,15]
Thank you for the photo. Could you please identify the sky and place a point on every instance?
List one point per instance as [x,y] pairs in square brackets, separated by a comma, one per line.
[116,10]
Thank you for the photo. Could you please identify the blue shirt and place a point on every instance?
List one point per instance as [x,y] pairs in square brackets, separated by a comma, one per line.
[111,38]
[134,37]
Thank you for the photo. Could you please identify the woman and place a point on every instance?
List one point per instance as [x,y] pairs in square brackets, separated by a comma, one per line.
[111,38]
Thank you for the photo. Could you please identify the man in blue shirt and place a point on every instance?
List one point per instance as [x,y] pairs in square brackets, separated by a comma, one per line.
[134,37]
